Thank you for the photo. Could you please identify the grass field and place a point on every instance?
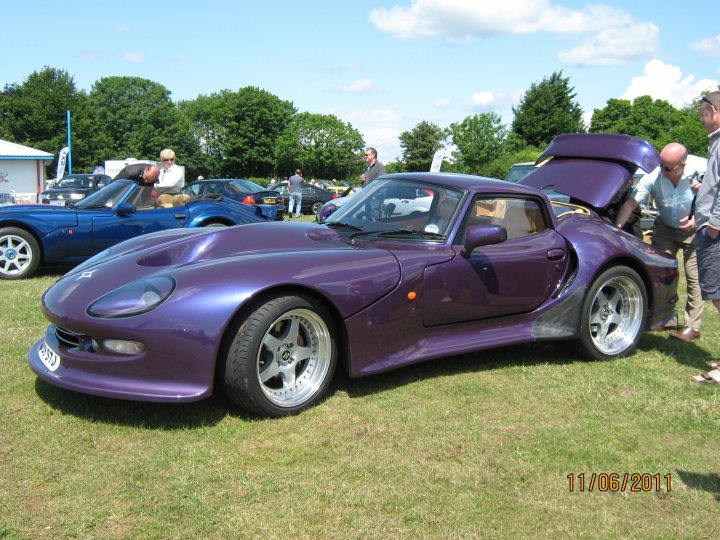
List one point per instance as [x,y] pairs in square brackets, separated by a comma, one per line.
[474,446]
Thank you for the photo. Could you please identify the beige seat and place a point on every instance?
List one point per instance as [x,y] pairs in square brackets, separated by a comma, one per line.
[521,220]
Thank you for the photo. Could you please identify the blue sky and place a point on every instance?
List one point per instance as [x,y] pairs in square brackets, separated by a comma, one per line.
[382,65]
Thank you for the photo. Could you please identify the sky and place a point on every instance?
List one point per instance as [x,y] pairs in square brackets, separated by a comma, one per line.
[381,65]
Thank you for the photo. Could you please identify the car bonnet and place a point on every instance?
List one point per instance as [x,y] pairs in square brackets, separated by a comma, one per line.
[592,168]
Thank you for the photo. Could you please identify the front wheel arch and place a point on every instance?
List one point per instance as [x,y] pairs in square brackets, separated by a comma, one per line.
[20,253]
[238,366]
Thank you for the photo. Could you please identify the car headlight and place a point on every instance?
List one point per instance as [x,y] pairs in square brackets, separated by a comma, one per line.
[134,299]
[77,196]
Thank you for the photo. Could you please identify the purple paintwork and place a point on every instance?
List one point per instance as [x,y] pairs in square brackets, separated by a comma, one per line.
[473,289]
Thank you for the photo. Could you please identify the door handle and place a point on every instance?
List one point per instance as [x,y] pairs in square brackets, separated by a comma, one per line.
[555,254]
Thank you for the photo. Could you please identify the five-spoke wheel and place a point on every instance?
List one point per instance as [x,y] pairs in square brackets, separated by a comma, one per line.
[613,315]
[282,357]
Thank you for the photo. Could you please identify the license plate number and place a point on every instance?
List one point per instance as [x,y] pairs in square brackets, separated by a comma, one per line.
[270,201]
[57,203]
[49,358]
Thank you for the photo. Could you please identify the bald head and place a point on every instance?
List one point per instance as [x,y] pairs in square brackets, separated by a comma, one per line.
[151,174]
[673,153]
[672,161]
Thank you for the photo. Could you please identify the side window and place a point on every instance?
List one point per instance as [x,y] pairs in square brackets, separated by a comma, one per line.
[194,189]
[520,217]
[213,187]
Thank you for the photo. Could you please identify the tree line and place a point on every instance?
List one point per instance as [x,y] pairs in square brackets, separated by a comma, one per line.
[251,133]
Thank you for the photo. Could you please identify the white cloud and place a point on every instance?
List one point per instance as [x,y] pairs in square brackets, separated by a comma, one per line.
[663,81]
[123,27]
[133,57]
[380,129]
[361,86]
[442,103]
[708,45]
[460,21]
[91,55]
[483,99]
[615,46]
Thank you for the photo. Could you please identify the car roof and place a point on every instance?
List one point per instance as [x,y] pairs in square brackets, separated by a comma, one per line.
[464,181]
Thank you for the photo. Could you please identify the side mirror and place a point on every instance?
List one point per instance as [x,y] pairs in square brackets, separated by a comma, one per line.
[482,235]
[125,209]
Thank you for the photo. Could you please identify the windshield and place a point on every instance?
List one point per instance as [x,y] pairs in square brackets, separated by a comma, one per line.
[73,182]
[107,196]
[400,206]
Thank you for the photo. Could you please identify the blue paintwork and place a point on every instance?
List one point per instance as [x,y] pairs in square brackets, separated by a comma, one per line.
[68,235]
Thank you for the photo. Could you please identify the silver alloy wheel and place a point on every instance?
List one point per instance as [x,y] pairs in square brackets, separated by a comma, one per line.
[616,315]
[16,255]
[294,358]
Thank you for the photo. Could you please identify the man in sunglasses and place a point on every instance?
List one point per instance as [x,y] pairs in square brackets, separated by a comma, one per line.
[707,219]
[673,189]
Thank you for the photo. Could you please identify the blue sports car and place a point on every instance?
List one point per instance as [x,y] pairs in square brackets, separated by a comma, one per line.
[31,235]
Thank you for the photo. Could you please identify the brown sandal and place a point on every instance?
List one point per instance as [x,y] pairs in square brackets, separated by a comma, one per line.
[710,377]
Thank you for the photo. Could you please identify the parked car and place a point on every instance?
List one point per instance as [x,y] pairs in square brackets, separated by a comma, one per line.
[7,198]
[266,311]
[343,191]
[333,204]
[34,235]
[73,187]
[271,205]
[313,197]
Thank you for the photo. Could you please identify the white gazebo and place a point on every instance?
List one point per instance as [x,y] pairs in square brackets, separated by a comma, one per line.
[22,170]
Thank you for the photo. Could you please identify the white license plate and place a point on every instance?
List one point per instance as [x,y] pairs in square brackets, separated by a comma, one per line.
[57,203]
[50,358]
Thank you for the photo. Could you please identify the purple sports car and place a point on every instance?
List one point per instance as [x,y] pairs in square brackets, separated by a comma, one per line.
[267,310]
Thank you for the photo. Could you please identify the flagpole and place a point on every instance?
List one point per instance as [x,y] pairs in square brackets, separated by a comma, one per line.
[69,144]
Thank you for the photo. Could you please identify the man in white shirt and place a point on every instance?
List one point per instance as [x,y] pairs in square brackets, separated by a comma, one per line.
[673,189]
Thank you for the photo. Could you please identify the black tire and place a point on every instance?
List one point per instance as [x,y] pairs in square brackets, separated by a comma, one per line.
[316,207]
[19,253]
[214,224]
[613,314]
[281,358]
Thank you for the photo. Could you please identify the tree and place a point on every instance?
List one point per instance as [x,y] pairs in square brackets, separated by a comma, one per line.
[480,139]
[321,145]
[657,121]
[238,131]
[547,109]
[34,113]
[420,144]
[139,119]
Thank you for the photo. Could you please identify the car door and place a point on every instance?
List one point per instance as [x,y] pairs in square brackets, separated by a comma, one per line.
[125,221]
[512,277]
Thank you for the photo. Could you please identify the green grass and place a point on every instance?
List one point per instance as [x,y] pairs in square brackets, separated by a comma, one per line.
[471,446]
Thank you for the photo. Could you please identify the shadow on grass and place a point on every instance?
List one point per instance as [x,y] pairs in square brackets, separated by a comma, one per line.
[709,482]
[686,353]
[149,415]
[527,354]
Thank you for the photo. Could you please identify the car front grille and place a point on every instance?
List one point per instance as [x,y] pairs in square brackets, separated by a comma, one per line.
[67,338]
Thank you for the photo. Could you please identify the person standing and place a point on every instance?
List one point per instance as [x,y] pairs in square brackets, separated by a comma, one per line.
[373,167]
[295,185]
[707,217]
[673,189]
